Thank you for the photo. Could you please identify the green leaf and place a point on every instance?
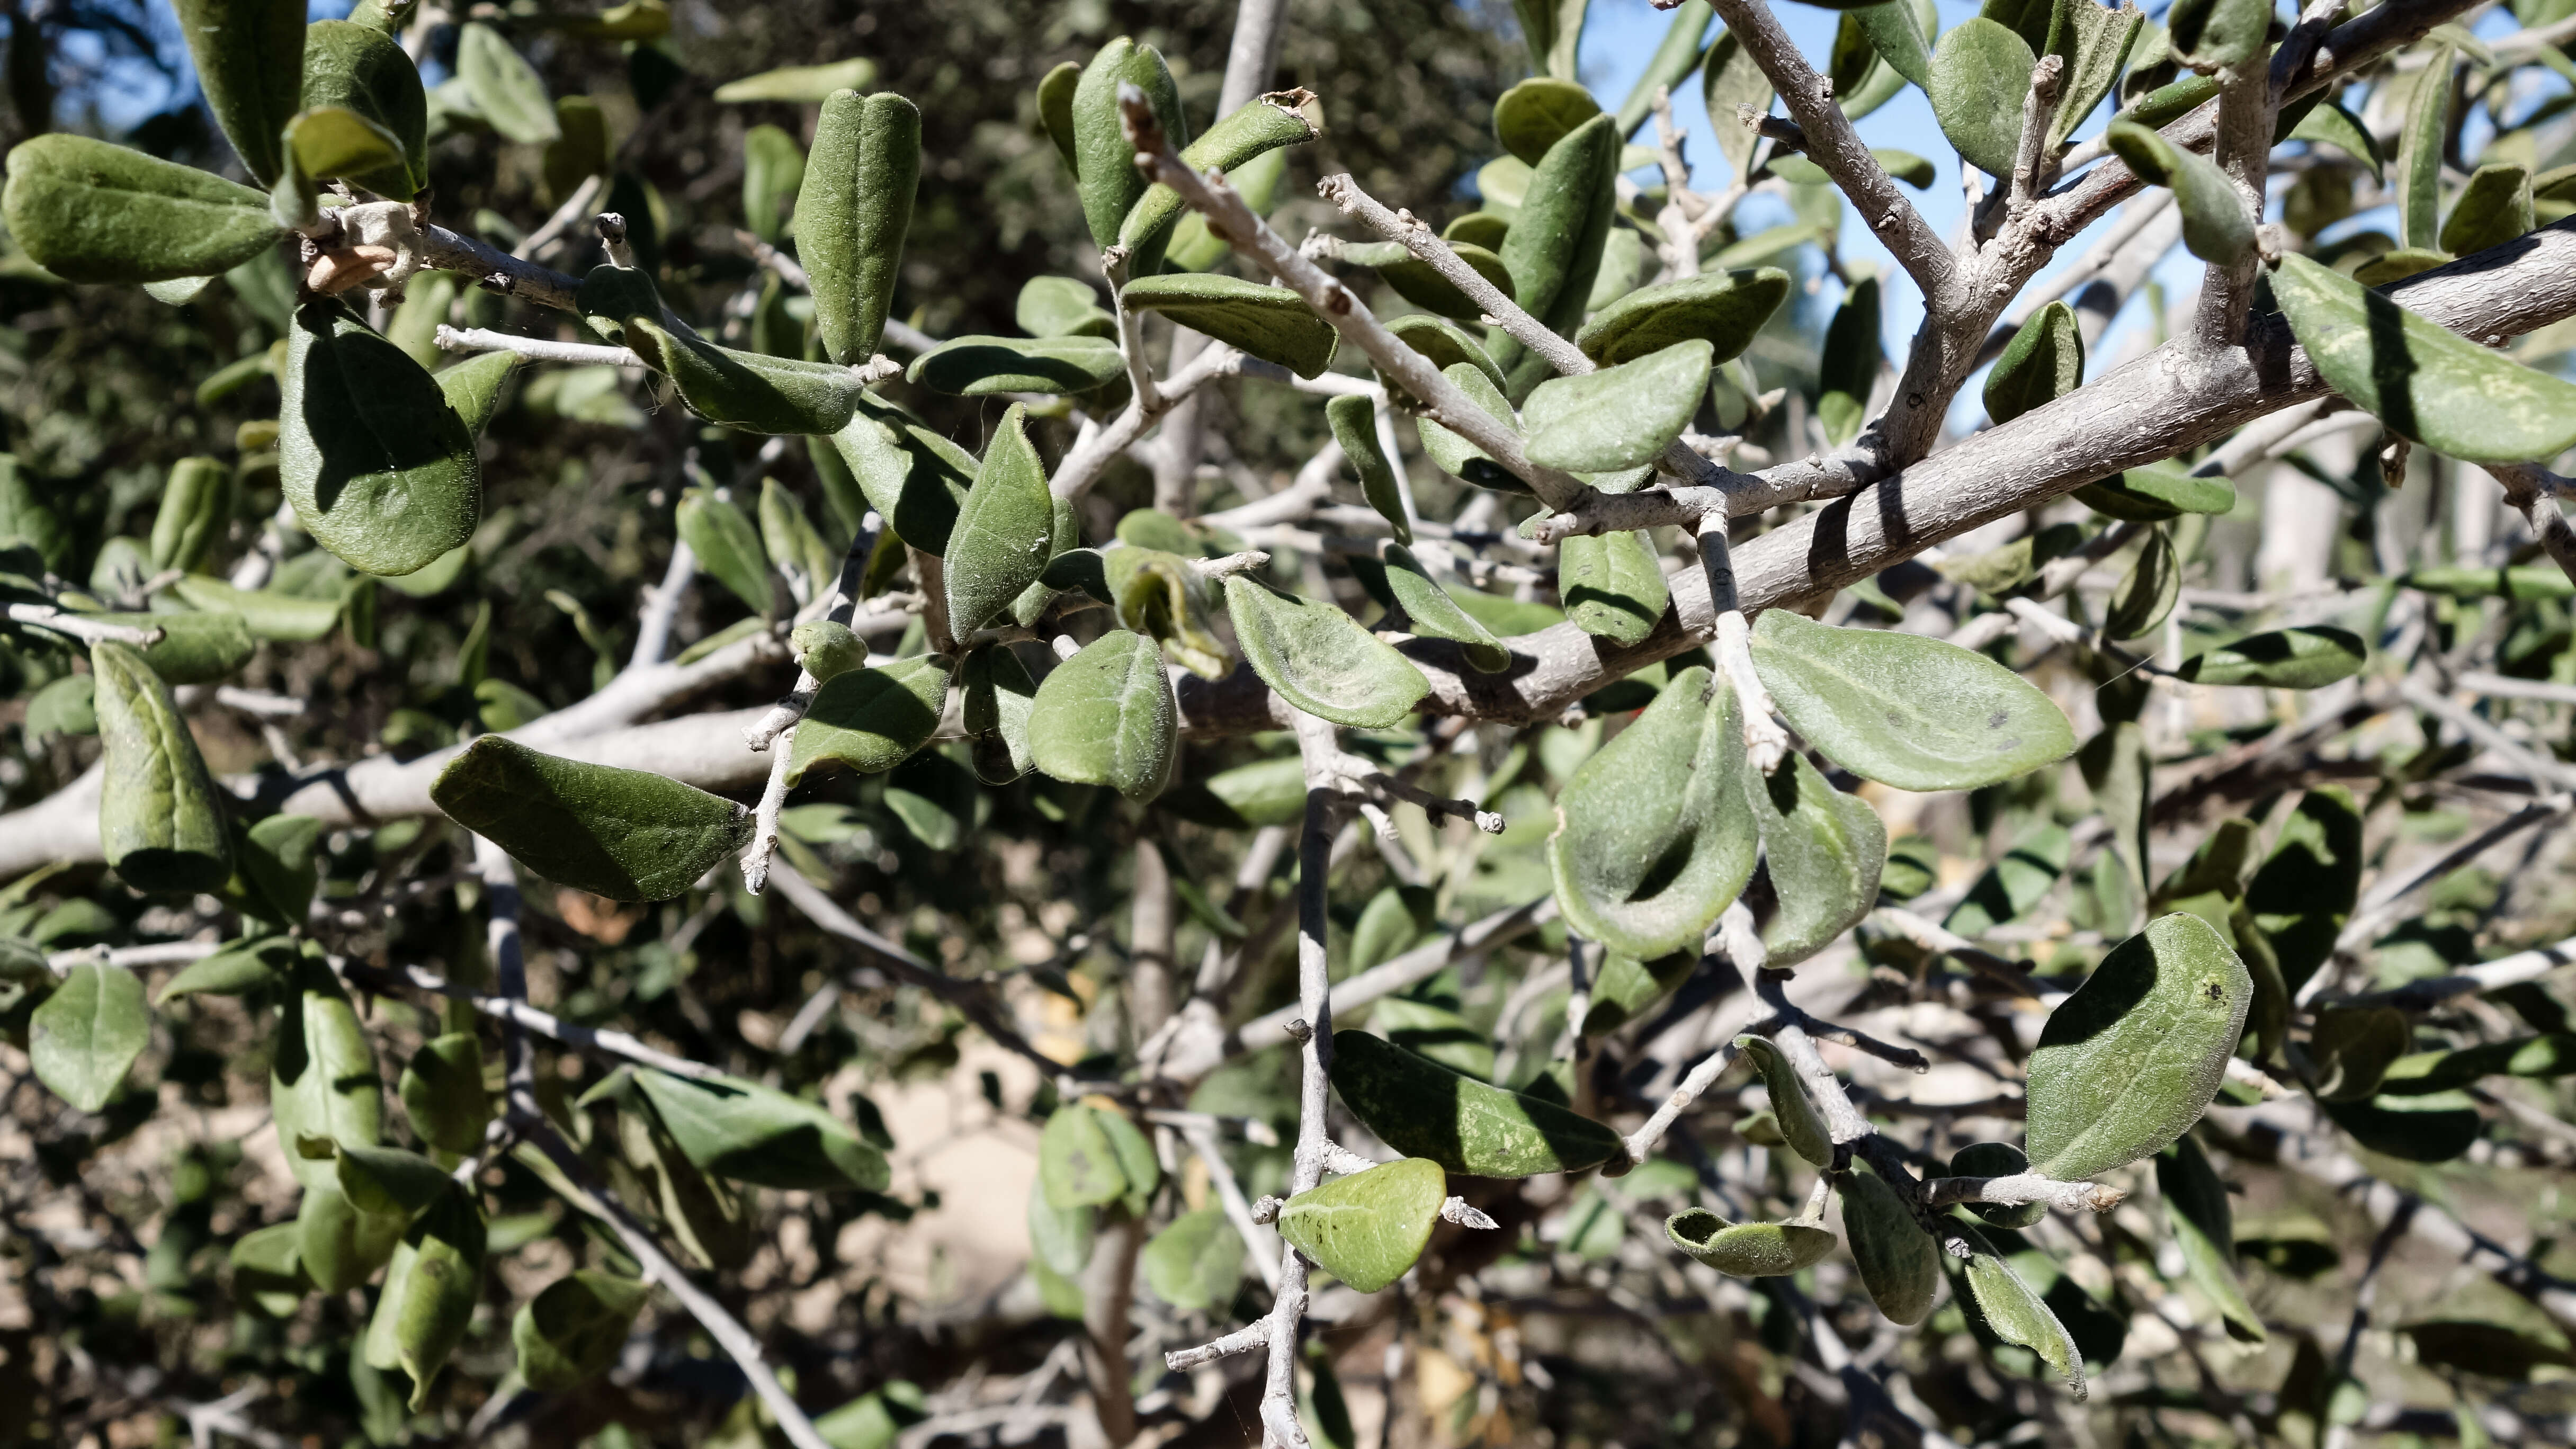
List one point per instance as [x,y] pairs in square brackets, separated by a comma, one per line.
[1553,30]
[773,168]
[322,1083]
[1553,250]
[727,546]
[2133,1056]
[575,1327]
[1354,423]
[1443,343]
[1724,309]
[1438,1033]
[1265,792]
[2334,126]
[1626,986]
[1195,1263]
[277,862]
[2043,362]
[387,1181]
[1156,594]
[2015,1313]
[1620,417]
[82,1038]
[1799,1124]
[2095,42]
[1612,584]
[1320,659]
[868,721]
[160,818]
[1062,307]
[1104,165]
[194,648]
[800,84]
[1432,614]
[1654,834]
[265,613]
[1419,283]
[1748,1250]
[338,1247]
[1916,713]
[1367,1229]
[1823,850]
[380,470]
[2148,592]
[1107,717]
[2426,99]
[1423,1109]
[2152,495]
[507,90]
[997,697]
[1004,528]
[1729,77]
[852,215]
[1271,323]
[2016,882]
[1532,116]
[1061,1238]
[750,1133]
[2215,224]
[2306,889]
[1078,1166]
[1996,1159]
[88,211]
[1250,135]
[2551,1054]
[1853,353]
[244,968]
[249,58]
[2281,659]
[2398,265]
[981,366]
[1979,75]
[2204,1225]
[2525,584]
[2494,208]
[433,1301]
[267,1272]
[1899,1263]
[628,835]
[442,1092]
[196,509]
[2432,1128]
[1684,43]
[2207,34]
[1452,453]
[914,478]
[749,390]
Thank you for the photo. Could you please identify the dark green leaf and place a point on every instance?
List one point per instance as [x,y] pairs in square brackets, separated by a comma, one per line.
[1452,453]
[727,546]
[1423,1109]
[362,69]
[2095,42]
[322,1084]
[1532,116]
[442,1092]
[2196,1205]
[2207,34]
[2334,126]
[2215,224]
[773,168]
[1554,247]
[2426,98]
[2133,1056]
[249,58]
[2152,495]
[870,720]
[2148,592]
[1104,165]
[1823,850]
[1433,614]
[1853,353]
[2494,208]
[1271,323]
[1620,417]
[2432,1128]
[1419,283]
[749,390]
[749,1133]
[265,613]
[1916,713]
[88,211]
[1899,1263]
[628,835]
[1062,307]
[160,819]
[1799,1124]
[380,469]
[2015,1313]
[852,214]
[1996,1159]
[980,366]
[1354,423]
[1004,528]
[241,969]
[1250,134]
[2043,362]
[1729,77]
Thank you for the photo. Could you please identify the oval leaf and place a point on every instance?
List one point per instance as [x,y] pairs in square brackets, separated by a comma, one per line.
[1823,850]
[1368,1228]
[82,1038]
[1748,1250]
[980,366]
[1916,713]
[380,469]
[853,212]
[2131,1059]
[1107,717]
[1980,73]
[160,820]
[573,1330]
[88,211]
[1724,309]
[868,721]
[1195,1263]
[2309,658]
[1620,417]
[507,90]
[1271,323]
[1004,529]
[1796,1115]
[2043,362]
[750,1133]
[1612,584]
[628,835]
[1899,1263]
[249,58]
[1320,659]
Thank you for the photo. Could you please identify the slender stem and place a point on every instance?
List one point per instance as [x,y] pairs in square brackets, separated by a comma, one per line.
[85,629]
[536,349]
[518,1015]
